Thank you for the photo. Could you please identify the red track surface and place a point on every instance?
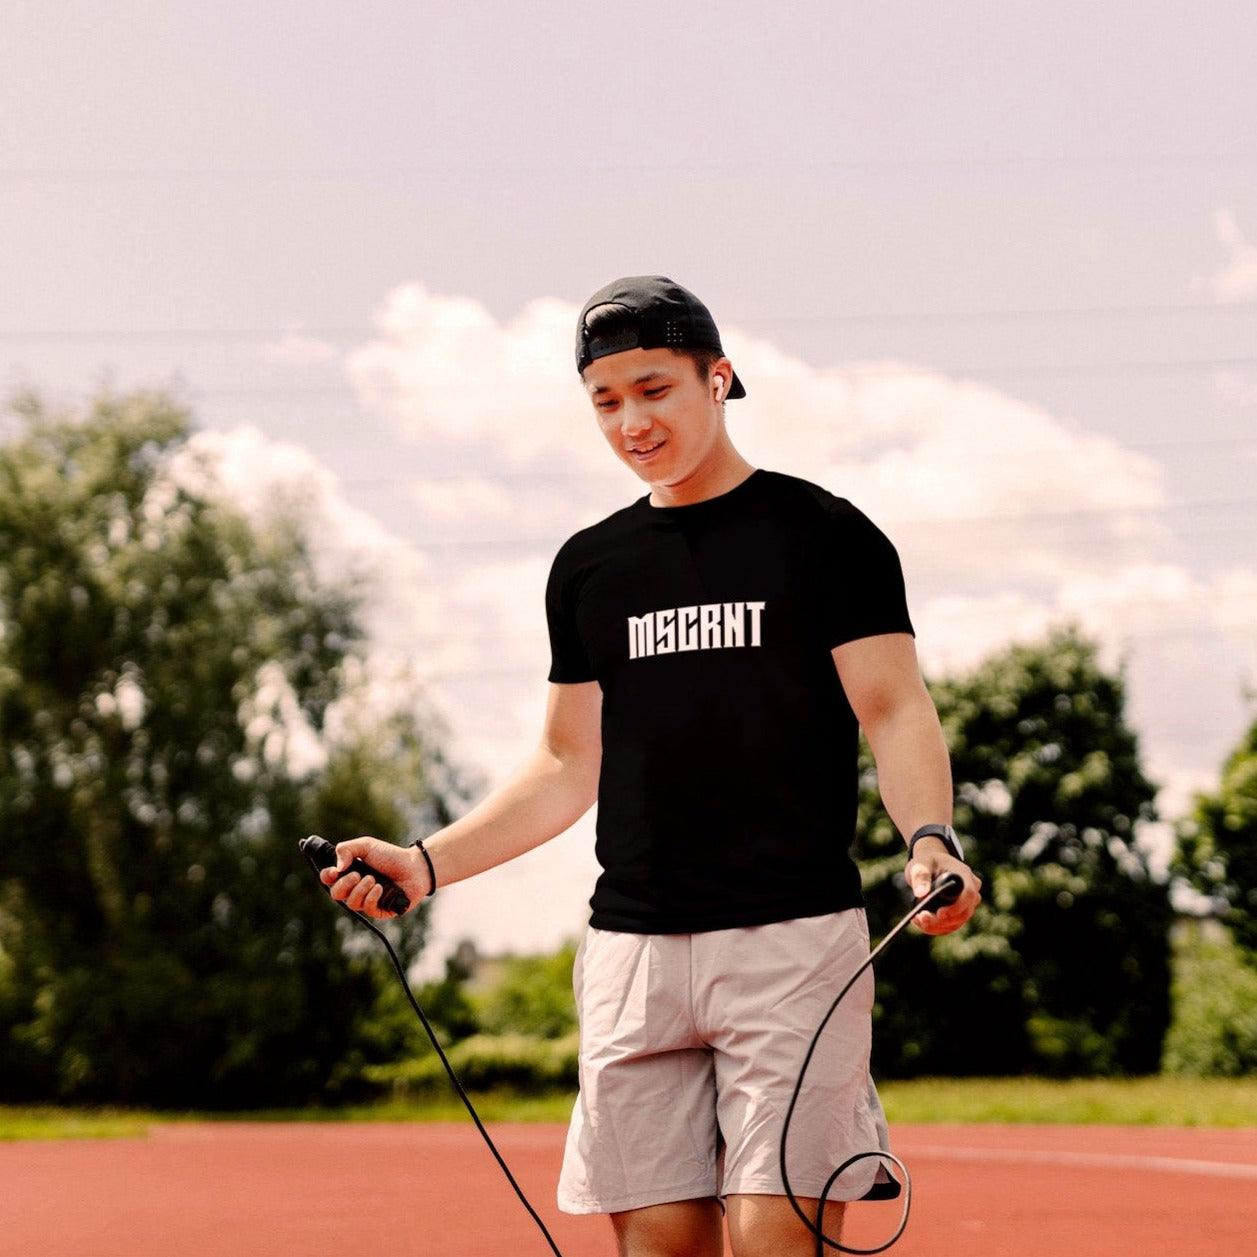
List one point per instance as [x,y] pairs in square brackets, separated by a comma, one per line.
[260,1189]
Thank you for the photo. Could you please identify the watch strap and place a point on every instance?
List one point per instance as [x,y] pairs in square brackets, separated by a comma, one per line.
[945,832]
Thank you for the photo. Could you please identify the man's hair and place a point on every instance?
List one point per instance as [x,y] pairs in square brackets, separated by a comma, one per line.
[610,318]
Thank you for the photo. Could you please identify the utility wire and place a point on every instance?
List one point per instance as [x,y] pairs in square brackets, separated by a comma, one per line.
[348,332]
[1158,366]
[1086,515]
[1206,444]
[586,168]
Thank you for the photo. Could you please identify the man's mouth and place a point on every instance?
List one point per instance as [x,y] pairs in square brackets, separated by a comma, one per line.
[645,451]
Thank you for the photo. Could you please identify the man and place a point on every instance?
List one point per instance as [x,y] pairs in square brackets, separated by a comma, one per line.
[715,647]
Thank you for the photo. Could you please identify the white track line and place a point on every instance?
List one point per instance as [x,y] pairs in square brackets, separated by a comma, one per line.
[1108,1160]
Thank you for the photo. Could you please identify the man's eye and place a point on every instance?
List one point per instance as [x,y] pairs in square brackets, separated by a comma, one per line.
[654,392]
[604,405]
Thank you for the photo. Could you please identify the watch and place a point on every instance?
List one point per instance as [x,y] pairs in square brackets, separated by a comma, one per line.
[945,832]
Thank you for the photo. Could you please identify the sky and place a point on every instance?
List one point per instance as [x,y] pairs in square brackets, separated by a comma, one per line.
[987,270]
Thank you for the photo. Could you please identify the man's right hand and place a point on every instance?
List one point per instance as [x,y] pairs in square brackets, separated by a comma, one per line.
[404,865]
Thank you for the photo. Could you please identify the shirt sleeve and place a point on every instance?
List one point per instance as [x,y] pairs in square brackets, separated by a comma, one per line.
[569,661]
[861,579]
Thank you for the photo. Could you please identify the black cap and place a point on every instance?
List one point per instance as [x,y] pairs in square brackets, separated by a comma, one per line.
[664,315]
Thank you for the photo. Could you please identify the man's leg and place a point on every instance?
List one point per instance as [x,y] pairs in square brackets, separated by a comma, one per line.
[679,1228]
[767,1226]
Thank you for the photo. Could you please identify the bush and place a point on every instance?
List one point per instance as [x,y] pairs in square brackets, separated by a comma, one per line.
[484,1061]
[1214,1029]
[533,996]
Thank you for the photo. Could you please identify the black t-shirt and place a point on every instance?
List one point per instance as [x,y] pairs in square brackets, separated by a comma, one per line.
[727,793]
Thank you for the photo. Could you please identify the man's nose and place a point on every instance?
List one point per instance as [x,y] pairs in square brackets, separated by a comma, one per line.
[635,421]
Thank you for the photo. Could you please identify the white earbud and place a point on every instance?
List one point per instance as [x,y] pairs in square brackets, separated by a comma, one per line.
[720,385]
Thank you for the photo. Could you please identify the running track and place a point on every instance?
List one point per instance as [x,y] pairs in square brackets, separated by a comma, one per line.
[298,1189]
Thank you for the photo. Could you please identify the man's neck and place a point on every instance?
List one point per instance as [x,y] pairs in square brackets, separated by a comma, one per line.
[702,484]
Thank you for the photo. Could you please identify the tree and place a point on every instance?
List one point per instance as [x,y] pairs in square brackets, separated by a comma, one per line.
[1214,1030]
[166,672]
[1064,967]
[532,996]
[1217,845]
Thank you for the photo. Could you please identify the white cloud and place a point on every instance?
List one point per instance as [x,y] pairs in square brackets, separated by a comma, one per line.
[275,724]
[1237,280]
[925,455]
[269,478]
[480,507]
[1007,518]
[1188,645]
[445,370]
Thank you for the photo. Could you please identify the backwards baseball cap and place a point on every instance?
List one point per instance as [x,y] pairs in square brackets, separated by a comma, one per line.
[654,312]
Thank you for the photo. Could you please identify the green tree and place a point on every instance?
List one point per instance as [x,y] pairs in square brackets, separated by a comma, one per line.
[1217,845]
[533,996]
[1064,968]
[166,671]
[1214,1030]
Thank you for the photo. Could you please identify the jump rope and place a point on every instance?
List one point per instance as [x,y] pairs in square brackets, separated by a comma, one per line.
[945,890]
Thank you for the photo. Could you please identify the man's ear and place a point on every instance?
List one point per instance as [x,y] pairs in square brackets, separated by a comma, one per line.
[722,370]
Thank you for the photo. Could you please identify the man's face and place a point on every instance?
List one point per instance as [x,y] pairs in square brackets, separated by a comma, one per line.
[647,397]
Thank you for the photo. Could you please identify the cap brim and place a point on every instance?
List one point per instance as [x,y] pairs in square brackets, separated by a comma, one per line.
[736,388]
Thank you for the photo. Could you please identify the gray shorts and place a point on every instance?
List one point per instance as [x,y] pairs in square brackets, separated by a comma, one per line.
[690,1046]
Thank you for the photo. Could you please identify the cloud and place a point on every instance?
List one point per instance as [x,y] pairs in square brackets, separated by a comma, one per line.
[1186,643]
[405,610]
[433,627]
[1237,280]
[482,507]
[1008,520]
[275,724]
[445,371]
[268,479]
[999,491]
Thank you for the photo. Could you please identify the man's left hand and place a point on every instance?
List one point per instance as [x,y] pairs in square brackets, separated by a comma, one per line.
[930,862]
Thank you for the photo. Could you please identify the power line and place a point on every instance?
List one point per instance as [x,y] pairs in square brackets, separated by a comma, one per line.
[1206,444]
[585,168]
[347,332]
[1081,516]
[1148,367]
[539,671]
[432,643]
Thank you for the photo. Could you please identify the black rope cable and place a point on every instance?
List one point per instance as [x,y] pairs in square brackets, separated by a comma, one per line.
[322,854]
[319,858]
[944,891]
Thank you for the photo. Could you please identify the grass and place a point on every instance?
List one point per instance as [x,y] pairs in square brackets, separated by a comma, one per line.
[49,1122]
[1152,1101]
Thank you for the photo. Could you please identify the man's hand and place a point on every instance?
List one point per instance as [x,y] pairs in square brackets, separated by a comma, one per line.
[404,865]
[930,861]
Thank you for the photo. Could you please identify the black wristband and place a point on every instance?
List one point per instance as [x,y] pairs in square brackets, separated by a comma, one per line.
[418,842]
[944,833]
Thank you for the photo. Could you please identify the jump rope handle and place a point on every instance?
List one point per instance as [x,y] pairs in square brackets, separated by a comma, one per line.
[322,855]
[950,885]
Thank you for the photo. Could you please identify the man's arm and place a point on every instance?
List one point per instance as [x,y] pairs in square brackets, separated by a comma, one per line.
[883,683]
[555,786]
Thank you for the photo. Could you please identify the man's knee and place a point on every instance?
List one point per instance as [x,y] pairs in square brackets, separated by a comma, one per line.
[763,1224]
[679,1228]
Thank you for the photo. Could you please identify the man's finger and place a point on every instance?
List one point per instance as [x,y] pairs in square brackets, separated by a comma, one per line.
[344,886]
[918,878]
